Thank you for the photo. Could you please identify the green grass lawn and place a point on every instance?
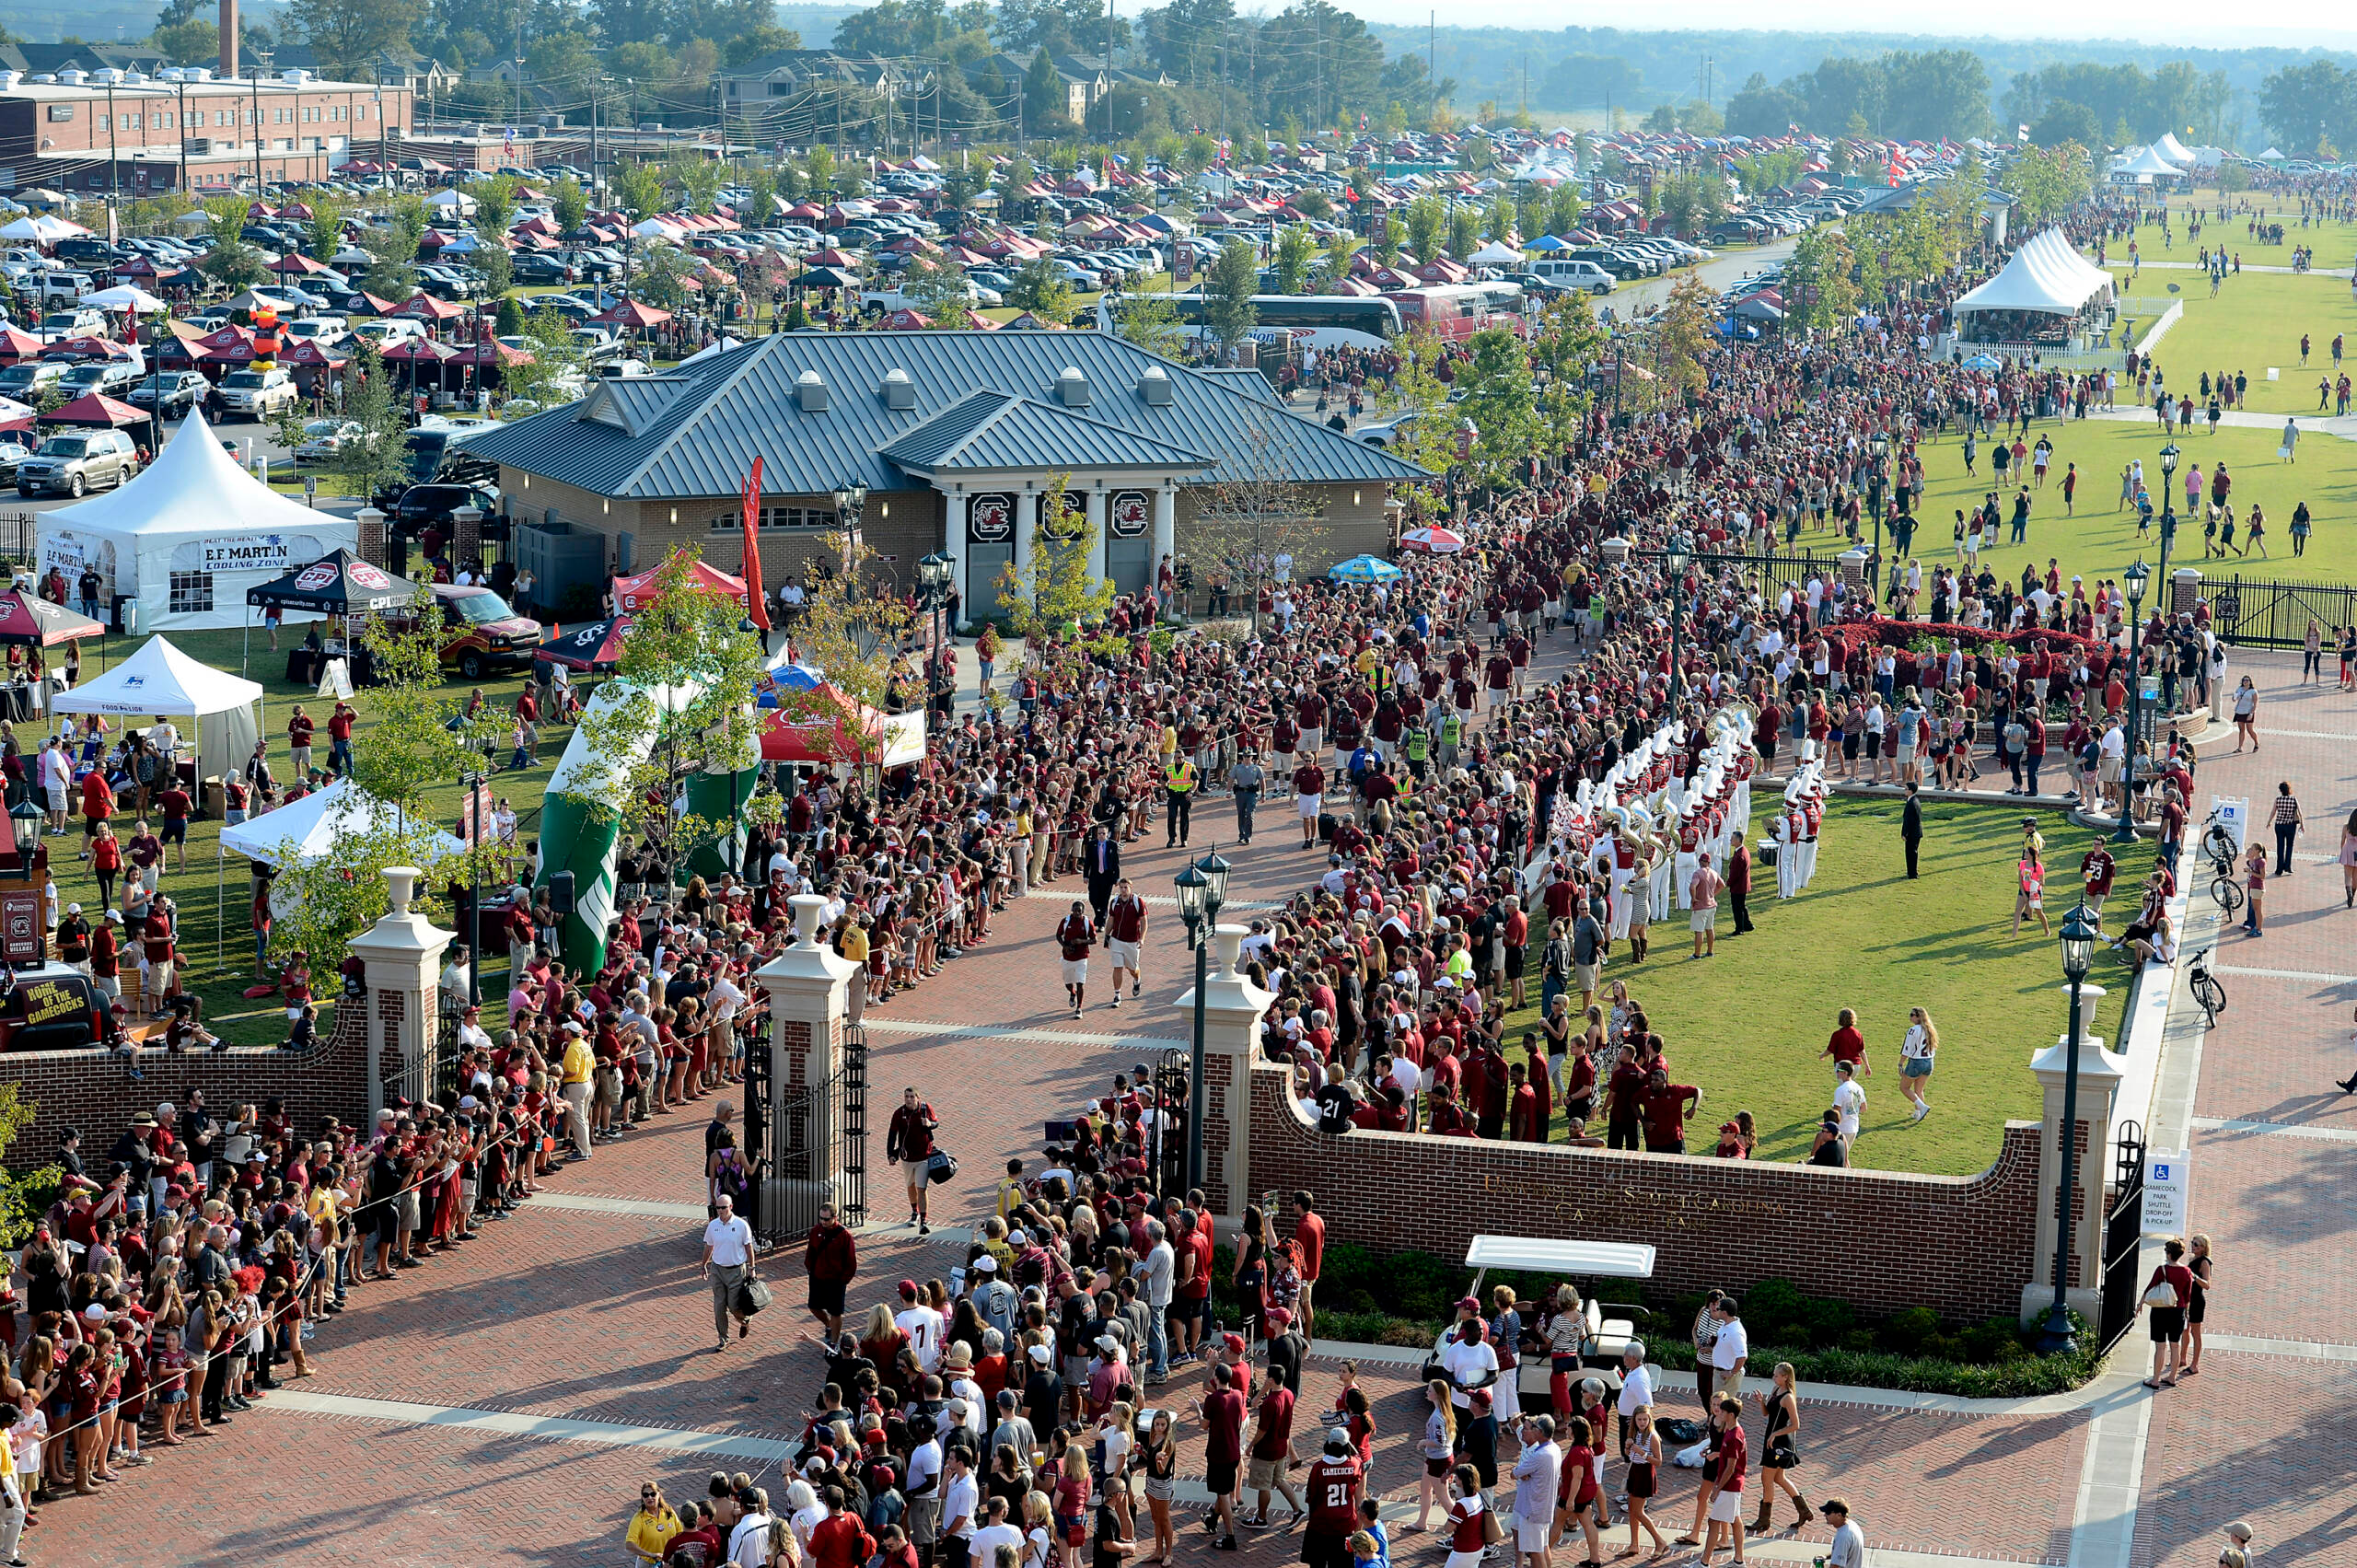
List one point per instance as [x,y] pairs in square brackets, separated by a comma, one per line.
[1745,1025]
[221,980]
[2253,325]
[2098,540]
[2334,243]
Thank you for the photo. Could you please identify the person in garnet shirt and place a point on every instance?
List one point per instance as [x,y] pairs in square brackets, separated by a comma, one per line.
[1725,1476]
[1667,1107]
[1310,788]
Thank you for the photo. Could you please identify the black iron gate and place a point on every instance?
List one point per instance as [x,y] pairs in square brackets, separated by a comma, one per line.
[2266,613]
[1167,1092]
[2123,1235]
[808,1146]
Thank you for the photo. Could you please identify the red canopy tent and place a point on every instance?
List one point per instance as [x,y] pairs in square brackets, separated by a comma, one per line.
[97,409]
[630,313]
[17,344]
[809,734]
[630,593]
[28,620]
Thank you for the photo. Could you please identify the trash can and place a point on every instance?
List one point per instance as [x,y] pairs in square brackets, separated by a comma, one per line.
[126,614]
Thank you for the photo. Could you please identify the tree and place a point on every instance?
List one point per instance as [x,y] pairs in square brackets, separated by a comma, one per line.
[571,204]
[373,458]
[1314,204]
[854,633]
[19,1192]
[1818,292]
[1151,323]
[1500,402]
[1041,289]
[2049,181]
[2067,122]
[1682,336]
[1228,288]
[759,42]
[1563,209]
[1253,511]
[1295,248]
[938,288]
[637,187]
[1047,105]
[1427,219]
[188,42]
[1464,233]
[1383,245]
[1565,342]
[1758,110]
[231,263]
[661,279]
[1416,400]
[1053,592]
[346,33]
[698,179]
[323,234]
[552,374]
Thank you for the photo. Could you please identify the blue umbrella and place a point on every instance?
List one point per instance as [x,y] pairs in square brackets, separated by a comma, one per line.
[1363,569]
[792,678]
[1981,362]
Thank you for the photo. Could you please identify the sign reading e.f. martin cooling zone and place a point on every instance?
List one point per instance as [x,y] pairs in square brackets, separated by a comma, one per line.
[249,553]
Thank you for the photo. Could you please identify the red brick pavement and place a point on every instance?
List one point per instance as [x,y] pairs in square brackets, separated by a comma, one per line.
[2258,1438]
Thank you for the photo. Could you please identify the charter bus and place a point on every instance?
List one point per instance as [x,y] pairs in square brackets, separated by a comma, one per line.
[1455,311]
[1314,321]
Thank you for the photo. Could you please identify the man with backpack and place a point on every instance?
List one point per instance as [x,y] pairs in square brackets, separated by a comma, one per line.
[1074,934]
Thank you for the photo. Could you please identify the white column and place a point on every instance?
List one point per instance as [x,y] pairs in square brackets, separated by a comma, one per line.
[1028,507]
[953,542]
[2101,1074]
[403,953]
[807,985]
[1096,531]
[1232,1009]
[1165,527]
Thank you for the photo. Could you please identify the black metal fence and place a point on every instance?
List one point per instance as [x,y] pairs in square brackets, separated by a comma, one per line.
[808,1146]
[16,534]
[2123,1235]
[2266,612]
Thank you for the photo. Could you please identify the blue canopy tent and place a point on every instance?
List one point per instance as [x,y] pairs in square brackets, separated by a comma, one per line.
[1365,569]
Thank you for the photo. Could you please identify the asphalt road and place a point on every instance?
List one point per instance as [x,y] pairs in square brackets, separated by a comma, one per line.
[1635,298]
[253,437]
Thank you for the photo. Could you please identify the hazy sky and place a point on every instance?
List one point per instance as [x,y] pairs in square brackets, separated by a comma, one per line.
[2295,23]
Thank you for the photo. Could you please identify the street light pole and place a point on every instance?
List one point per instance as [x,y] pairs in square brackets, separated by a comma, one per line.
[934,573]
[2078,940]
[1203,889]
[2133,582]
[2169,456]
[472,783]
[1675,559]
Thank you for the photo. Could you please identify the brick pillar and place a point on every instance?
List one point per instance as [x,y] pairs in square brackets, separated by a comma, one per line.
[371,545]
[403,954]
[808,986]
[2184,587]
[466,544]
[2099,1078]
[1232,1009]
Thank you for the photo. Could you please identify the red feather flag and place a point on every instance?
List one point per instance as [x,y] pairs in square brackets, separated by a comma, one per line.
[756,602]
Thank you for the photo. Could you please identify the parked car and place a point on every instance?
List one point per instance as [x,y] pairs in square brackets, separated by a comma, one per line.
[170,393]
[78,462]
[323,438]
[543,266]
[13,451]
[23,382]
[260,393]
[58,324]
[54,1007]
[110,377]
[483,631]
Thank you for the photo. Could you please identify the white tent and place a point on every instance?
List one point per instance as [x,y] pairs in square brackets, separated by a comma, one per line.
[313,824]
[2147,164]
[1495,254]
[457,202]
[41,229]
[2272,155]
[2176,152]
[125,297]
[160,680]
[2047,276]
[189,536]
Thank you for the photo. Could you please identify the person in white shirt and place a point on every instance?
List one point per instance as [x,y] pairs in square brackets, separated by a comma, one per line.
[1730,1350]
[1470,1362]
[983,1550]
[749,1542]
[1849,1098]
[1849,1547]
[923,1495]
[1636,1387]
[728,1264]
[923,1325]
[961,1500]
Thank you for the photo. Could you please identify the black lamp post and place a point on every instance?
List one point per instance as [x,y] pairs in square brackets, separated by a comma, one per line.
[2169,456]
[934,575]
[24,823]
[1878,450]
[851,499]
[2133,582]
[471,812]
[2078,941]
[1202,888]
[1674,559]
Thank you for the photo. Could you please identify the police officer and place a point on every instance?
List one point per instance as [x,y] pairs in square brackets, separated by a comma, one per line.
[1245,779]
[1178,783]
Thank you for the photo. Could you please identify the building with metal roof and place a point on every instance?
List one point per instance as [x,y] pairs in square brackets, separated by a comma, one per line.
[959,438]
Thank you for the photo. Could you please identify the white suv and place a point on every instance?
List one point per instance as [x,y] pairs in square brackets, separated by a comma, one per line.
[261,393]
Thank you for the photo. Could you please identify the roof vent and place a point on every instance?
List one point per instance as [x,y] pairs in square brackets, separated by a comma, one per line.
[900,393]
[810,392]
[295,78]
[69,79]
[9,79]
[1153,386]
[106,76]
[196,72]
[1072,387]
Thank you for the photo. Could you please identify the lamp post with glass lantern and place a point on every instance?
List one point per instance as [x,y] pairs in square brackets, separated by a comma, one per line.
[2170,455]
[1203,889]
[934,573]
[2078,941]
[1878,450]
[1675,558]
[851,499]
[2132,582]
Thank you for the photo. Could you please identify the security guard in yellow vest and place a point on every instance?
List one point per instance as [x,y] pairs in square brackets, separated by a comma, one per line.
[1178,782]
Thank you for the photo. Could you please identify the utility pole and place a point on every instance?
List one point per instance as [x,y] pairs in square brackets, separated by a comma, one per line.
[1431,62]
[183,129]
[114,153]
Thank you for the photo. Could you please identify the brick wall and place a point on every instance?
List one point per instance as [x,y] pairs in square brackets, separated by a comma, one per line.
[91,1091]
[1880,1240]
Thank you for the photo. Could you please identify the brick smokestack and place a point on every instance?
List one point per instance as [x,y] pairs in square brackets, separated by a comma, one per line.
[229,38]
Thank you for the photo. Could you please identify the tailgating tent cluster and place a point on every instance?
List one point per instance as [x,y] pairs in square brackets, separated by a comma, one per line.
[161,681]
[189,536]
[2047,277]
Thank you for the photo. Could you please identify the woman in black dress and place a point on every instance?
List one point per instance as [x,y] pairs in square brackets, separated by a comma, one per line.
[1251,1276]
[2199,1260]
[1778,1447]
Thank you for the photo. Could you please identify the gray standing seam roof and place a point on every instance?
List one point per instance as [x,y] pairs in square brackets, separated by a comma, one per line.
[995,430]
[696,430]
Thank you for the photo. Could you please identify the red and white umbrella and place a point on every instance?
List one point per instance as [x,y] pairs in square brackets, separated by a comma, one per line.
[1435,542]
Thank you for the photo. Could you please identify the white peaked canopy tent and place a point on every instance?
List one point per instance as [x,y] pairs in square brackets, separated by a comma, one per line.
[2047,276]
[1495,254]
[189,535]
[160,680]
[2176,152]
[313,824]
[2148,164]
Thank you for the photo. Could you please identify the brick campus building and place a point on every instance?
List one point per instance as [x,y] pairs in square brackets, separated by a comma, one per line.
[958,436]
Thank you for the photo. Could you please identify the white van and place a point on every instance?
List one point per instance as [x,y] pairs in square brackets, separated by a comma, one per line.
[387,331]
[1572,275]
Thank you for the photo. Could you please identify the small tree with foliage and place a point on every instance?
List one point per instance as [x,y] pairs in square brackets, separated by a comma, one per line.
[1228,311]
[231,263]
[1295,249]
[1053,591]
[1254,511]
[1151,321]
[372,457]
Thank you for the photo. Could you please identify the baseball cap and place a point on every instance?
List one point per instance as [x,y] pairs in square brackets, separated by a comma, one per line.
[1040,1354]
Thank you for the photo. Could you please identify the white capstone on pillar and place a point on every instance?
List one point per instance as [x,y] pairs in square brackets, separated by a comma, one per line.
[1097,533]
[2101,1074]
[1232,1010]
[403,953]
[807,986]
